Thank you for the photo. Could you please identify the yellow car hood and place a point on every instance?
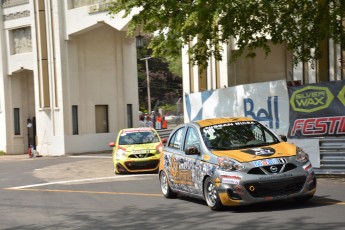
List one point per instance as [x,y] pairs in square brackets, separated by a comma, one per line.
[130,148]
[282,149]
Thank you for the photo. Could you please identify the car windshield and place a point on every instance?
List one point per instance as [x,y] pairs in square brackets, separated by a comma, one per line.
[132,138]
[237,135]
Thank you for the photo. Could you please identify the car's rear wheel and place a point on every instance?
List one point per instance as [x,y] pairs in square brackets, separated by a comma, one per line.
[165,187]
[211,195]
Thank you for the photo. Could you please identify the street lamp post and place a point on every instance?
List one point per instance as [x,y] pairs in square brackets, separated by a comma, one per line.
[148,83]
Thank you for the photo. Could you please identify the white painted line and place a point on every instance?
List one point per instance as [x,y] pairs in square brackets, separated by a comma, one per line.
[73,181]
[90,157]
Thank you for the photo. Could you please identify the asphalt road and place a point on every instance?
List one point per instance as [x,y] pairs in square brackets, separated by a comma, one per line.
[82,192]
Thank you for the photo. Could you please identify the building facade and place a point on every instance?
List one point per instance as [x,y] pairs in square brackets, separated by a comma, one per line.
[277,65]
[68,76]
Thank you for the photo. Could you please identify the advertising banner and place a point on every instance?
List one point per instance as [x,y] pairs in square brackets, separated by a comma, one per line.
[266,102]
[317,110]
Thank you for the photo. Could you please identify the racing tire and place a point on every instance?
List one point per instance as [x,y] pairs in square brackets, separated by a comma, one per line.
[211,195]
[165,187]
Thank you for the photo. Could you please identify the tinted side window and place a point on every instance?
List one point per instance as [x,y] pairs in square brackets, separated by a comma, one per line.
[176,139]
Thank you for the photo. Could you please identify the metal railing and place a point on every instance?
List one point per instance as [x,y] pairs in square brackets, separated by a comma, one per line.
[332,156]
[164,133]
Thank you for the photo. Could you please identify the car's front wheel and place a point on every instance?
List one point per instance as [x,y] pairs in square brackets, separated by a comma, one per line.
[211,195]
[165,187]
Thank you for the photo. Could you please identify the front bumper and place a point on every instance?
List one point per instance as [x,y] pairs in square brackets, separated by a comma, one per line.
[261,189]
[133,166]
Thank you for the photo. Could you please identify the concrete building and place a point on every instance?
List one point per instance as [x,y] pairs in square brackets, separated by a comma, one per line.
[68,76]
[277,65]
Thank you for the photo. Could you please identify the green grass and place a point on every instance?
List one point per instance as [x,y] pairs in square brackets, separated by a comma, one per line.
[2,153]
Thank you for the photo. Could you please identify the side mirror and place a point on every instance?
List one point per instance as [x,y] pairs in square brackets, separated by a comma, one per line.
[164,140]
[192,150]
[111,144]
[283,137]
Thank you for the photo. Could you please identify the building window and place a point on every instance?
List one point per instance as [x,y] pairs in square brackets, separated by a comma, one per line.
[102,119]
[21,40]
[129,116]
[16,121]
[75,126]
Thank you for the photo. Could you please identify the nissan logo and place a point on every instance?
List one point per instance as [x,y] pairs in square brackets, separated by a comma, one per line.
[274,169]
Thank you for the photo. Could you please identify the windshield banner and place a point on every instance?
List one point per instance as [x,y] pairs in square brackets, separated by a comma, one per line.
[317,110]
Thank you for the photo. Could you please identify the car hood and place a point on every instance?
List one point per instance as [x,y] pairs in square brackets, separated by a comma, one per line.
[282,149]
[130,148]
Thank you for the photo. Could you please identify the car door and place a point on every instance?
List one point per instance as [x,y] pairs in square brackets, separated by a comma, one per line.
[172,157]
[179,166]
[190,164]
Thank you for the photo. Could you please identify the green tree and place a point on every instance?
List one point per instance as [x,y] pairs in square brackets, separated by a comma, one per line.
[300,24]
[165,80]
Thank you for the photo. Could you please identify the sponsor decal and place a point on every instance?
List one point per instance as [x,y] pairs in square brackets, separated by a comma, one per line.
[211,128]
[272,161]
[317,110]
[310,99]
[231,180]
[229,174]
[341,95]
[280,176]
[134,130]
[143,151]
[319,126]
[265,151]
[180,176]
[308,168]
[270,115]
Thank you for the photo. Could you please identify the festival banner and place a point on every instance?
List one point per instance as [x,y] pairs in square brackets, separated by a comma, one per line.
[317,110]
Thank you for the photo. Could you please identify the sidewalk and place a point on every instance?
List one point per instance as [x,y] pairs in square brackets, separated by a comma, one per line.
[14,157]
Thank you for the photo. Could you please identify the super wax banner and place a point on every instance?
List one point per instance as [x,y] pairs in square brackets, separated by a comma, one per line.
[266,102]
[317,110]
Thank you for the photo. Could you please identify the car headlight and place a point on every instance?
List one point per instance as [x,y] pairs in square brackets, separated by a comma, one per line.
[228,164]
[160,148]
[120,153]
[301,156]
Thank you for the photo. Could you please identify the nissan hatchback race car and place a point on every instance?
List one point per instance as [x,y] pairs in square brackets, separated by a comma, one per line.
[137,150]
[232,162]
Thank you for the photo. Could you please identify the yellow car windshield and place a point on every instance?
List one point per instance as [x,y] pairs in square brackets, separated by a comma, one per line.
[132,138]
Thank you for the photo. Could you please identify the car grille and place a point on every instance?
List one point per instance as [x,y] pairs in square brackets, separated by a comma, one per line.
[142,165]
[141,155]
[281,168]
[276,188]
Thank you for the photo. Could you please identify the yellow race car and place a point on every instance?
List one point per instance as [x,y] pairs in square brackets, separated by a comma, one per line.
[137,150]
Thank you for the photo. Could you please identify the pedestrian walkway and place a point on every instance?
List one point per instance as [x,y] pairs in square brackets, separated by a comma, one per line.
[14,157]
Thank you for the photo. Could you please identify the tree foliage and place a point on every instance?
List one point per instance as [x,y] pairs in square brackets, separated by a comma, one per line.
[300,24]
[165,82]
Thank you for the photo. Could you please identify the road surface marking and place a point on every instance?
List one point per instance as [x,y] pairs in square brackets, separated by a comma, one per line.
[83,191]
[74,181]
[91,157]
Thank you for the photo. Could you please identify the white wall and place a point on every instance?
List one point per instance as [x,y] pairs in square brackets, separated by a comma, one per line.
[100,70]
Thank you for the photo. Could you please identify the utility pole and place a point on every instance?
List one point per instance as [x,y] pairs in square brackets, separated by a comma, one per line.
[148,83]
